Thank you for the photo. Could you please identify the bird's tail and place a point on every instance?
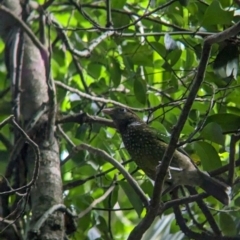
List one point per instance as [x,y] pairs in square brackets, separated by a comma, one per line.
[217,189]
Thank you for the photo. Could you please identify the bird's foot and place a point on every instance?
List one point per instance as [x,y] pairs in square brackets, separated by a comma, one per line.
[170,168]
[175,169]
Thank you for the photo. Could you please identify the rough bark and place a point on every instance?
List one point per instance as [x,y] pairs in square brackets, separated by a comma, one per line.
[32,95]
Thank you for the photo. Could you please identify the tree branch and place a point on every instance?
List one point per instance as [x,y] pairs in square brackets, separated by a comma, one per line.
[117,165]
[96,201]
[139,230]
[27,30]
[83,117]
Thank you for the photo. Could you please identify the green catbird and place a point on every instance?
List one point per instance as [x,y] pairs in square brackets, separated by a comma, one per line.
[146,148]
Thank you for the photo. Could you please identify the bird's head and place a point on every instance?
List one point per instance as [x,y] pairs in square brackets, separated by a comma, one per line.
[122,117]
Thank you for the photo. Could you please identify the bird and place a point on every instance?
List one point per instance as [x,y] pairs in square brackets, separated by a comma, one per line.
[146,149]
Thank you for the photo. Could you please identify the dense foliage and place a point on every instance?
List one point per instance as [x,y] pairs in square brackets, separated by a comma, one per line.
[145,55]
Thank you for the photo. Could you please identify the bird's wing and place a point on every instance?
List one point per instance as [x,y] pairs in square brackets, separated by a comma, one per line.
[164,138]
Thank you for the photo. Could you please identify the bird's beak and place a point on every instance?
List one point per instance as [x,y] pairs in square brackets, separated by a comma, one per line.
[108,111]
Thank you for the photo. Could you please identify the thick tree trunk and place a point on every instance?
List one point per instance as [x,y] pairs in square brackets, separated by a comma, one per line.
[28,99]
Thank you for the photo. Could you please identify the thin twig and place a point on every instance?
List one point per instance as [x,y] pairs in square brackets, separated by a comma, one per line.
[36,153]
[96,201]
[79,182]
[58,207]
[83,117]
[109,15]
[87,52]
[80,9]
[117,165]
[200,124]
[65,136]
[206,212]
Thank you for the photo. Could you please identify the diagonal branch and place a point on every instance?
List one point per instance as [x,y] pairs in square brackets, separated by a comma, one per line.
[117,165]
[139,230]
[27,30]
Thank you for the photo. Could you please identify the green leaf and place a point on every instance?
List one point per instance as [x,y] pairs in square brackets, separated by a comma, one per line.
[147,187]
[102,224]
[99,86]
[208,155]
[198,50]
[79,158]
[115,71]
[82,131]
[94,70]
[132,196]
[113,196]
[227,224]
[213,133]
[174,56]
[118,4]
[159,48]
[237,201]
[3,163]
[140,89]
[190,58]
[139,54]
[153,99]
[227,121]
[120,20]
[157,28]
[216,15]
[183,2]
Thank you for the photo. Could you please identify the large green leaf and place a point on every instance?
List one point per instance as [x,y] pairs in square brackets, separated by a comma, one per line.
[208,155]
[227,121]
[227,224]
[133,197]
[159,48]
[94,70]
[216,15]
[174,56]
[118,4]
[139,54]
[213,132]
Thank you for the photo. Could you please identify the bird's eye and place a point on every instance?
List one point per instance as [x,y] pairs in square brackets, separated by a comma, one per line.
[122,110]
